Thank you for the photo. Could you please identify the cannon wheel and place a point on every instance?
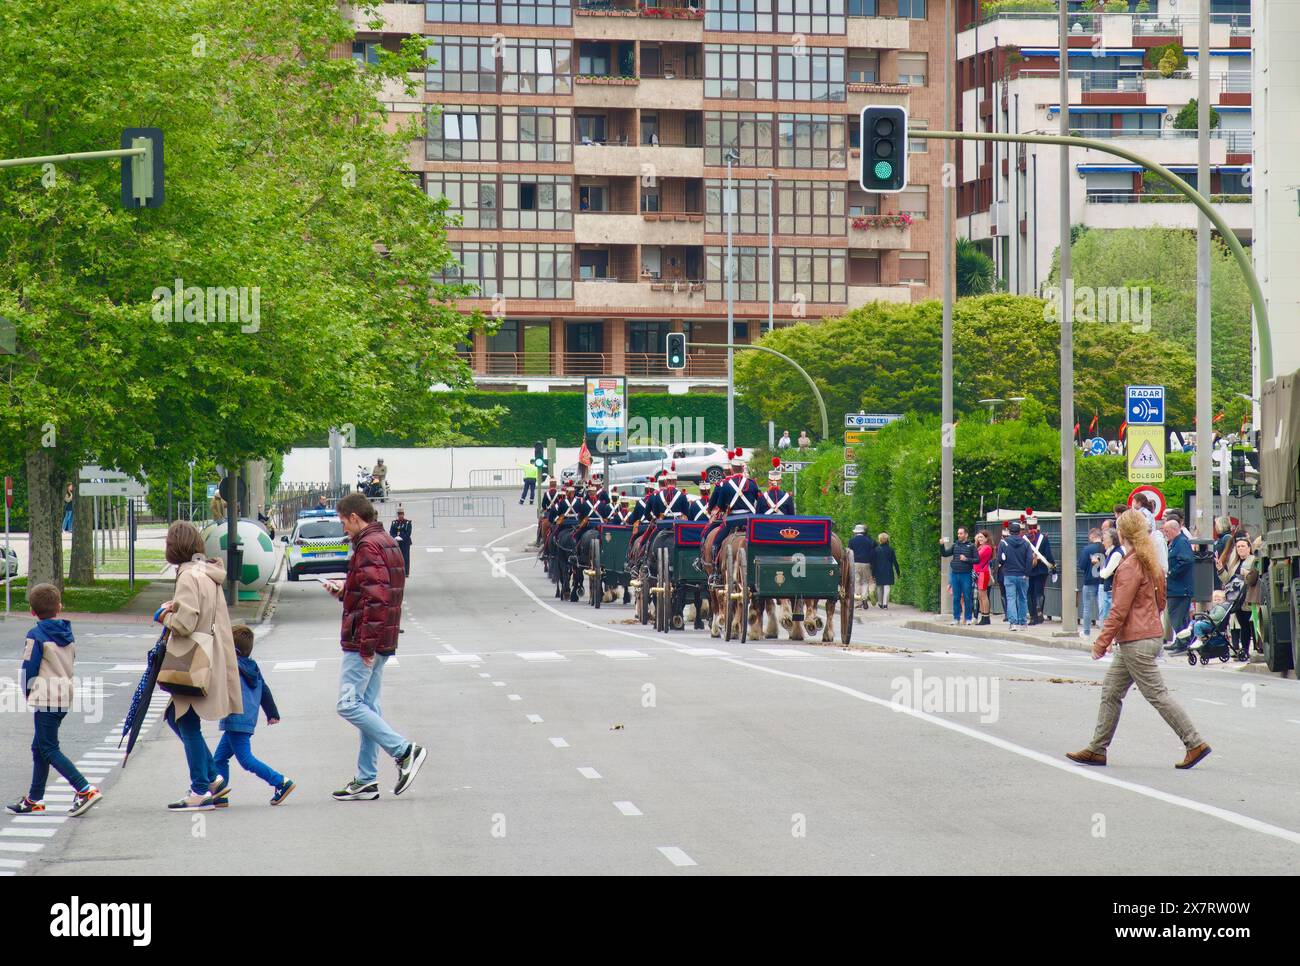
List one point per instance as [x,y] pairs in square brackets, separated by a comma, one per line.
[848,587]
[597,582]
[728,606]
[742,575]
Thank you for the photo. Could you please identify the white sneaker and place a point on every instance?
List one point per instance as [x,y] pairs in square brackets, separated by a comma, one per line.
[1083,634]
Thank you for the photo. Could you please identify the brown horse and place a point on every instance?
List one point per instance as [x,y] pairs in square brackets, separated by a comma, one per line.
[812,621]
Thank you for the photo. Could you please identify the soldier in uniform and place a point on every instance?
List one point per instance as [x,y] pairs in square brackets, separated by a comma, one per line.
[699,511]
[669,502]
[775,501]
[736,496]
[400,530]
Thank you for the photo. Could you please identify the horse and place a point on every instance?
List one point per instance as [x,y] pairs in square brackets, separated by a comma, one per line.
[812,621]
[565,573]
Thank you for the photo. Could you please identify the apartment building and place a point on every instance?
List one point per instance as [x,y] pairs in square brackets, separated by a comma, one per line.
[584,145]
[1008,76]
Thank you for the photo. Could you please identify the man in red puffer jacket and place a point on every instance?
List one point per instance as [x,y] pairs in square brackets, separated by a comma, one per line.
[372,613]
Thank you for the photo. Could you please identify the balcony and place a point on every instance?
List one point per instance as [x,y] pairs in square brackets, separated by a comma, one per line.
[401,18]
[632,159]
[656,294]
[649,228]
[699,364]
[882,33]
[863,294]
[626,19]
[1127,209]
[880,231]
[860,95]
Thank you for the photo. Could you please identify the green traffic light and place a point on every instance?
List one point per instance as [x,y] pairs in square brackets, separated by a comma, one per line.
[883,170]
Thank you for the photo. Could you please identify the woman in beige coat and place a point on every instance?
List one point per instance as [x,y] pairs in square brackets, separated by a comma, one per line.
[198,610]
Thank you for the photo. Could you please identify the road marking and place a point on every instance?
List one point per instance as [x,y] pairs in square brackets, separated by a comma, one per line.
[21,846]
[541,656]
[294,666]
[1032,657]
[498,684]
[535,718]
[784,652]
[466,530]
[134,668]
[588,772]
[12,863]
[514,697]
[433,549]
[955,655]
[41,819]
[627,808]
[467,549]
[484,674]
[704,652]
[1208,701]
[458,658]
[1063,765]
[675,855]
[114,755]
[506,536]
[35,833]
[560,743]
[623,655]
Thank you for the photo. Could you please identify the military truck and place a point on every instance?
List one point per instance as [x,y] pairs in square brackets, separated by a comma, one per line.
[1279,434]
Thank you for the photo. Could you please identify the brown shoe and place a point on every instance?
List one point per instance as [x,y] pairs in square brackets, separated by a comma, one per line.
[1086,757]
[1194,755]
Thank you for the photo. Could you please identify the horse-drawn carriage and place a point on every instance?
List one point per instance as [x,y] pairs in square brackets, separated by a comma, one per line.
[797,561]
[606,567]
[677,574]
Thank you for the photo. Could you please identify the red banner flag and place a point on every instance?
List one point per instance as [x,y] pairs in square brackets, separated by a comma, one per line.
[1092,425]
[584,455]
[1123,427]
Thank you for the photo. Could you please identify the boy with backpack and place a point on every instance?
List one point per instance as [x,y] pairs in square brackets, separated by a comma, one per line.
[237,738]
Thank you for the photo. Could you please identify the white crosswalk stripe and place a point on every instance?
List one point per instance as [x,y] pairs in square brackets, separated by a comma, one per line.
[542,656]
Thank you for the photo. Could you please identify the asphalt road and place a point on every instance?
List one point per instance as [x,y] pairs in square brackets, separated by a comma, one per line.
[568,740]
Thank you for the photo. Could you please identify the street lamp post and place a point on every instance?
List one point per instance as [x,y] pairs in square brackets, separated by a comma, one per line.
[1202,525]
[1069,613]
[771,227]
[732,157]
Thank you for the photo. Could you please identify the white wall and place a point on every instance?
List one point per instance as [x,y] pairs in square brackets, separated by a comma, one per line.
[420,468]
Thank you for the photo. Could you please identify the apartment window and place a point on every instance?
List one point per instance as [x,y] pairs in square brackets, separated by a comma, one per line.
[811,208]
[593,263]
[750,134]
[650,199]
[462,132]
[862,202]
[505,338]
[536,134]
[593,58]
[591,197]
[546,13]
[648,337]
[912,69]
[365,51]
[471,196]
[913,268]
[750,273]
[864,270]
[917,145]
[591,128]
[914,200]
[460,11]
[741,71]
[537,271]
[753,16]
[863,8]
[585,337]
[864,67]
[537,201]
[816,275]
[810,74]
[811,141]
[810,16]
[535,66]
[912,9]
[751,212]
[461,64]
[477,266]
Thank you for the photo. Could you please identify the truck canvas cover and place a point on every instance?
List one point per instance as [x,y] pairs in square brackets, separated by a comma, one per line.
[1279,433]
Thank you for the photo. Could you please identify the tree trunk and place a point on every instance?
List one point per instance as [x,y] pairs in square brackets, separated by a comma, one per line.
[45,519]
[81,569]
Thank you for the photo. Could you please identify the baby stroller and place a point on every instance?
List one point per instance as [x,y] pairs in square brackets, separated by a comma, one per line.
[1209,635]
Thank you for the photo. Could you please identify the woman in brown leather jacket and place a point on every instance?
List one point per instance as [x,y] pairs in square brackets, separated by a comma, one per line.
[1133,626]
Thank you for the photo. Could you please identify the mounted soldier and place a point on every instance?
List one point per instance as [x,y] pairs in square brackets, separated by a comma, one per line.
[699,511]
[775,501]
[735,496]
[669,502]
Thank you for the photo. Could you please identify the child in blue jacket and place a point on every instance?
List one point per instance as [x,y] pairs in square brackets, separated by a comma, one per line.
[237,741]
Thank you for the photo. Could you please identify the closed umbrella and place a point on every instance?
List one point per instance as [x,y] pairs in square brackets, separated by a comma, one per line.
[143,695]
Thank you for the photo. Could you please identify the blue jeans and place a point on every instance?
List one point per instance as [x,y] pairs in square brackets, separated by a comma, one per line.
[1104,596]
[963,595]
[1090,604]
[1017,599]
[239,745]
[67,520]
[359,688]
[46,754]
[203,770]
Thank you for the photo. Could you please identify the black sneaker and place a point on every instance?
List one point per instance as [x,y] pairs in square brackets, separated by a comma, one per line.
[25,806]
[355,791]
[408,766]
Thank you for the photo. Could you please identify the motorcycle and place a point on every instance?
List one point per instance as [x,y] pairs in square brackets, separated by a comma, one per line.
[370,485]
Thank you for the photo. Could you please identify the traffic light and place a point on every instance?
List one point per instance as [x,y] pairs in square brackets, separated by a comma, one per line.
[676,350]
[142,174]
[884,149]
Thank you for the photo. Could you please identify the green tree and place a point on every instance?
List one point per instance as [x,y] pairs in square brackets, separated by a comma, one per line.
[283,177]
[976,274]
[1188,119]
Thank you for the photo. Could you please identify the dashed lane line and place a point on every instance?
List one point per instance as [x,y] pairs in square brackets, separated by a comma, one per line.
[676,856]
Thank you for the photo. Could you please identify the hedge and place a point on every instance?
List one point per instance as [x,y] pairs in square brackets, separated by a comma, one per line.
[530,417]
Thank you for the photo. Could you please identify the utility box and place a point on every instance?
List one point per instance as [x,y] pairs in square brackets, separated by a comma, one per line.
[1202,568]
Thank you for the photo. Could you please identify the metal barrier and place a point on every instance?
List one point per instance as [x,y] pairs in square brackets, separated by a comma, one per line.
[486,479]
[468,506]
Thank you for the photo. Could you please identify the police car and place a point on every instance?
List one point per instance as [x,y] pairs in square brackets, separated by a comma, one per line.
[317,545]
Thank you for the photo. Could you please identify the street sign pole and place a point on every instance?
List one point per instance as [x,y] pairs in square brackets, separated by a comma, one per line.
[1066,571]
[947,441]
[9,497]
[1202,525]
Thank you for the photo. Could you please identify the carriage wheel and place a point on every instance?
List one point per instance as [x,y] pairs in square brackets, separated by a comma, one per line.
[742,575]
[728,605]
[642,600]
[598,581]
[848,587]
[664,613]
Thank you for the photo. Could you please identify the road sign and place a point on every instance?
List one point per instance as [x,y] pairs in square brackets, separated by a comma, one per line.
[1146,454]
[850,471]
[111,488]
[793,466]
[849,455]
[1144,405]
[1153,493]
[9,491]
[848,487]
[869,420]
[1097,447]
[92,472]
[854,437]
